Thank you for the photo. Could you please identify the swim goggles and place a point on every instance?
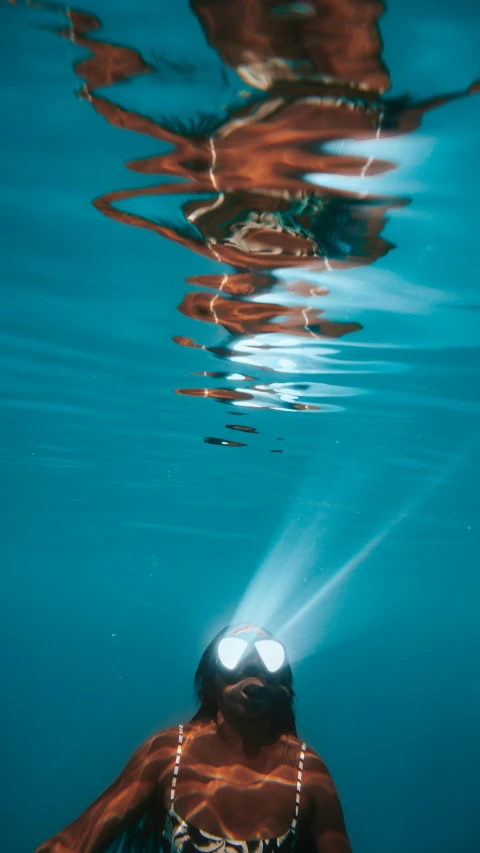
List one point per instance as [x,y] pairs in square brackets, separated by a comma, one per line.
[233,651]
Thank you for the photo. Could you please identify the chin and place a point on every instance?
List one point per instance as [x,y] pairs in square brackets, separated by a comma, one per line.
[252,710]
[255,714]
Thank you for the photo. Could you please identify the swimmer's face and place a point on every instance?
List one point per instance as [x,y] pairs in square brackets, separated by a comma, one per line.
[248,697]
[248,690]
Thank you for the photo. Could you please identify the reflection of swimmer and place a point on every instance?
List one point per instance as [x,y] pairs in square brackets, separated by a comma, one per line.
[236,771]
[319,78]
[270,41]
[245,317]
[316,76]
[257,397]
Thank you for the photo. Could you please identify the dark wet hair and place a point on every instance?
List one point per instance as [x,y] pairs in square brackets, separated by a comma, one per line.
[283,715]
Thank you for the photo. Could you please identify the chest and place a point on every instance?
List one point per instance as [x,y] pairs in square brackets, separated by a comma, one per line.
[236,799]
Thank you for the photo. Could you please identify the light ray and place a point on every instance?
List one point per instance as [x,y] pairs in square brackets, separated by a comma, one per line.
[301,643]
[278,586]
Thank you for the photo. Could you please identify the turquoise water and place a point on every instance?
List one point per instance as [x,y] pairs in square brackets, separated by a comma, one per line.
[129,538]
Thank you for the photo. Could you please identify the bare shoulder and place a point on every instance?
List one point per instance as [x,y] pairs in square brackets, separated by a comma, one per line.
[317,780]
[155,754]
[295,746]
[160,741]
[313,761]
[295,752]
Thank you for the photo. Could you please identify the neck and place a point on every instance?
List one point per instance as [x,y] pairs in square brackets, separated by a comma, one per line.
[243,734]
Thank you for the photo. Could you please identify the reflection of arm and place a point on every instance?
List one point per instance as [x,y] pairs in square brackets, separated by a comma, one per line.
[412,115]
[106,205]
[123,802]
[127,119]
[328,826]
[440,100]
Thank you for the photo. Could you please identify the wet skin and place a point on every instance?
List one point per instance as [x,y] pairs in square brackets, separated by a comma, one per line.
[237,780]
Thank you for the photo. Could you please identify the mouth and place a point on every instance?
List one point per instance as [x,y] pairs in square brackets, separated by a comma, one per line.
[254,689]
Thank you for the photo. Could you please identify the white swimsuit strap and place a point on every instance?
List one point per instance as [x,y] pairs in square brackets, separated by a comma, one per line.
[299,785]
[177,765]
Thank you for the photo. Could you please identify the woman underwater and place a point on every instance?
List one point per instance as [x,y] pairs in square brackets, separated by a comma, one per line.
[236,771]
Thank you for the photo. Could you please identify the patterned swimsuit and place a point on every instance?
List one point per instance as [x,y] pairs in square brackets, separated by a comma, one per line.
[179,836]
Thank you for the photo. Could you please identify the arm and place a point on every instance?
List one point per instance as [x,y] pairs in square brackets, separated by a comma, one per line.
[106,205]
[410,117]
[128,119]
[440,100]
[326,816]
[122,803]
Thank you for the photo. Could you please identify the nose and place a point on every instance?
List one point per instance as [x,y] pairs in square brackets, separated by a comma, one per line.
[252,665]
